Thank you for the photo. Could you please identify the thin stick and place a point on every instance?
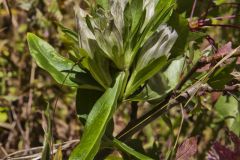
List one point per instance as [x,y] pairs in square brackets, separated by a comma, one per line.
[180,128]
[7,6]
[3,150]
[64,146]
[223,25]
[6,126]
[169,103]
[193,9]
[29,105]
[56,102]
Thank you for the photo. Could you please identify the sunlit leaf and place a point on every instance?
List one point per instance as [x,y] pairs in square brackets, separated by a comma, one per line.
[97,121]
[138,78]
[48,59]
[152,57]
[123,147]
[117,11]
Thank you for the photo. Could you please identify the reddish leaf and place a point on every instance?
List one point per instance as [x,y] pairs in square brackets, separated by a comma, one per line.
[221,152]
[225,49]
[204,68]
[215,96]
[236,140]
[187,149]
[238,60]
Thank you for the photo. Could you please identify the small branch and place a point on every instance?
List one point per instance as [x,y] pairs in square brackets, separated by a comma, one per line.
[134,109]
[18,123]
[156,112]
[7,6]
[188,76]
[179,130]
[168,103]
[29,104]
[193,8]
[3,150]
[6,126]
[203,61]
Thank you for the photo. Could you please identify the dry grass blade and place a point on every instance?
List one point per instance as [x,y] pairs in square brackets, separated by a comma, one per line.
[19,155]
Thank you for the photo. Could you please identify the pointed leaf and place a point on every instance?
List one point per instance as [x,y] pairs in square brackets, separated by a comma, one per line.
[117,11]
[97,121]
[222,76]
[226,108]
[85,34]
[48,59]
[157,45]
[162,12]
[123,147]
[174,71]
[136,12]
[138,78]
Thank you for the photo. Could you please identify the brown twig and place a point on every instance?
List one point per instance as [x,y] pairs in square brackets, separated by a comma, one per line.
[6,126]
[19,126]
[156,112]
[29,105]
[19,154]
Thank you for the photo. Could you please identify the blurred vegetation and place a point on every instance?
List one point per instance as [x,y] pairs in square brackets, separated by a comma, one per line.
[25,89]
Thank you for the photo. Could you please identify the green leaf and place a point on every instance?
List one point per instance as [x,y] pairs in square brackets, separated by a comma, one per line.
[152,57]
[173,72]
[99,68]
[156,46]
[69,33]
[123,147]
[235,126]
[227,108]
[138,78]
[48,59]
[97,121]
[162,12]
[155,90]
[103,3]
[3,114]
[136,13]
[85,34]
[117,11]
[112,157]
[222,76]
[111,44]
[95,62]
